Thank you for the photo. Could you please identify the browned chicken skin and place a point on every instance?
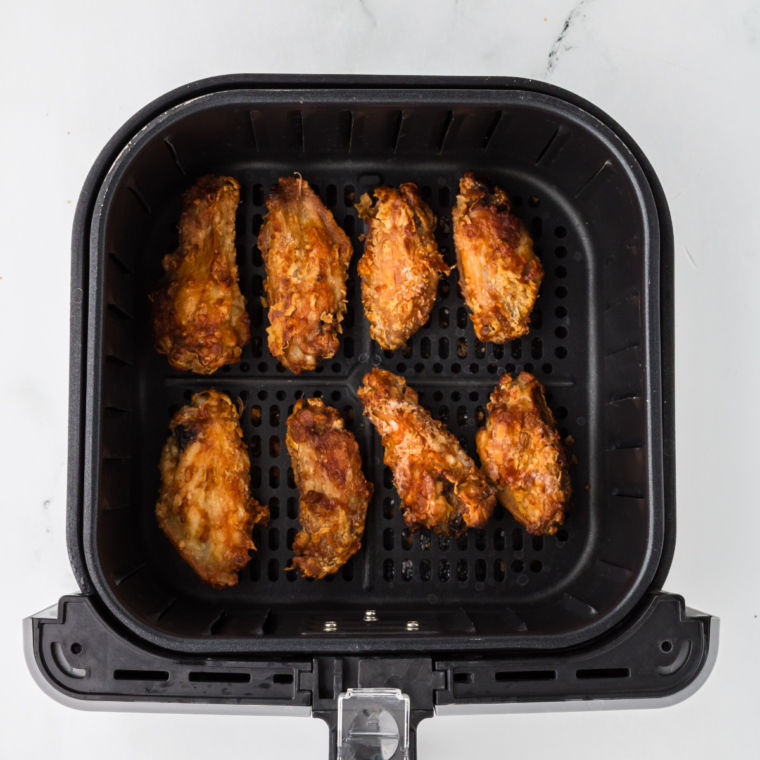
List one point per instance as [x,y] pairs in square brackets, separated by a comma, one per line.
[204,505]
[522,455]
[439,485]
[199,315]
[306,256]
[498,271]
[334,492]
[401,264]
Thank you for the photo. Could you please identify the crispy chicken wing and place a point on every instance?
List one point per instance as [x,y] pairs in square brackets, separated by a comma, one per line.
[204,505]
[306,256]
[401,263]
[498,271]
[439,485]
[522,455]
[199,315]
[334,492]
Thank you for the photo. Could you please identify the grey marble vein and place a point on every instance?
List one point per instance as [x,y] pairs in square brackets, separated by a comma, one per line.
[560,45]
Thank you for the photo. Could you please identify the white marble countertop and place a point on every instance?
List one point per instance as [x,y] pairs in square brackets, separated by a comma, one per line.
[682,77]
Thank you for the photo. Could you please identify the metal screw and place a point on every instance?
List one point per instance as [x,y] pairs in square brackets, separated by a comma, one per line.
[412,625]
[331,625]
[370,616]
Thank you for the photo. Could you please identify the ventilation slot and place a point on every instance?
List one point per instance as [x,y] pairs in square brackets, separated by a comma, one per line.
[118,313]
[173,152]
[594,673]
[628,493]
[120,265]
[591,179]
[398,123]
[517,676]
[445,131]
[136,193]
[491,131]
[257,129]
[141,675]
[121,577]
[295,119]
[210,676]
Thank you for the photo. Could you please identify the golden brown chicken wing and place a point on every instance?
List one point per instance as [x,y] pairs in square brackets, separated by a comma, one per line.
[522,455]
[204,505]
[439,485]
[498,271]
[401,264]
[334,492]
[199,315]
[306,256]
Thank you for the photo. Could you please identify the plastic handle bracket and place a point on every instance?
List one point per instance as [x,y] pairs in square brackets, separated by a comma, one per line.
[373,723]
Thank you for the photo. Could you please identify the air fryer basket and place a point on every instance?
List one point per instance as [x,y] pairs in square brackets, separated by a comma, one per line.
[594,343]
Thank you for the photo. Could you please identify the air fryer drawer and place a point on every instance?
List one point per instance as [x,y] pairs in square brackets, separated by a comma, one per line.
[594,343]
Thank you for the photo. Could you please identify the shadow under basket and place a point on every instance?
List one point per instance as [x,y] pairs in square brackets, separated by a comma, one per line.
[600,332]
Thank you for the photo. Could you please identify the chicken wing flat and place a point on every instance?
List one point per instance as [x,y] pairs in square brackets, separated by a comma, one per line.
[204,505]
[401,264]
[199,315]
[522,455]
[334,492]
[306,256]
[439,485]
[498,271]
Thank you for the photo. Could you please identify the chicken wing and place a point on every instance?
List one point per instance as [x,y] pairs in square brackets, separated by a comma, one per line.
[306,256]
[199,315]
[204,505]
[401,263]
[439,485]
[498,271]
[334,492]
[522,455]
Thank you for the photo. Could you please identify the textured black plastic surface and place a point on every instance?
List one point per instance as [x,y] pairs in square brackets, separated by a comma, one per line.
[85,657]
[658,653]
[594,220]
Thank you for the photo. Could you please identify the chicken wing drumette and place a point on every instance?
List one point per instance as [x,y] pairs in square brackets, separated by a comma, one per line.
[204,505]
[401,263]
[306,256]
[439,485]
[334,492]
[522,455]
[498,271]
[199,315]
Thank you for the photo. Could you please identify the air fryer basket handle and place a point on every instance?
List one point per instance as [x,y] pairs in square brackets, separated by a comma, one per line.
[661,656]
[373,722]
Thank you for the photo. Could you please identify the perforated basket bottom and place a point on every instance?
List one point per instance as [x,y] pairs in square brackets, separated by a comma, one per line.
[453,374]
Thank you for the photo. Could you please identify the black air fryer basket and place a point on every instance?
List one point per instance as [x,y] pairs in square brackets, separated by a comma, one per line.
[414,623]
